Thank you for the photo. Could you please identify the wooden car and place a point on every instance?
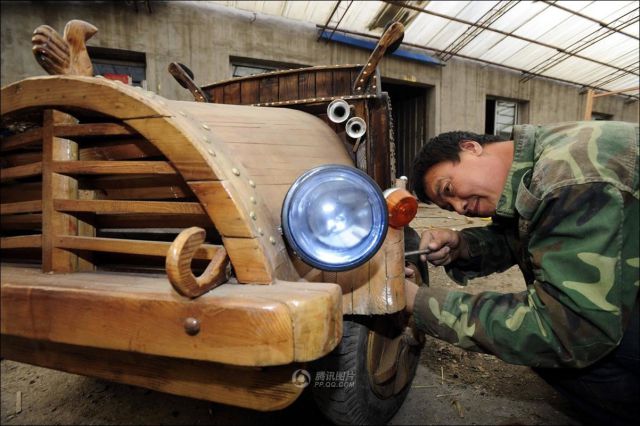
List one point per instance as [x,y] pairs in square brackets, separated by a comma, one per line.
[143,241]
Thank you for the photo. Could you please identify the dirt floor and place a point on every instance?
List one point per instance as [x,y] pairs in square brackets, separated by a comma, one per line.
[452,386]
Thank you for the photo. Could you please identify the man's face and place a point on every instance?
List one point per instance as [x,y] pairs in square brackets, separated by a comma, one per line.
[471,187]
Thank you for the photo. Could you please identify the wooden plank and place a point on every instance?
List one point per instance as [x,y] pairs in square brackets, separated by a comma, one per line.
[355,67]
[119,149]
[232,93]
[20,159]
[55,186]
[111,206]
[227,214]
[150,193]
[324,84]
[21,221]
[21,207]
[235,330]
[146,187]
[316,311]
[24,191]
[341,83]
[256,389]
[21,140]
[151,220]
[288,88]
[250,92]
[96,95]
[249,260]
[27,170]
[217,95]
[128,246]
[378,153]
[92,129]
[172,138]
[22,241]
[269,89]
[307,85]
[113,167]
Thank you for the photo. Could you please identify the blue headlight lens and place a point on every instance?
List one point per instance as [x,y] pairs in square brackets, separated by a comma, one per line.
[334,217]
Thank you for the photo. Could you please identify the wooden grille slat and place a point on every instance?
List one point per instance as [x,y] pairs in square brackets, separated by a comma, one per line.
[21,140]
[21,207]
[113,167]
[26,170]
[128,246]
[21,241]
[21,221]
[92,129]
[111,206]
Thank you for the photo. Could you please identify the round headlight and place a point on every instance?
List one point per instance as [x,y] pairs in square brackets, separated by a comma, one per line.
[334,217]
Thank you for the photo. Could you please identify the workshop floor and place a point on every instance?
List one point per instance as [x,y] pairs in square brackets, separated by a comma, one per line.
[451,386]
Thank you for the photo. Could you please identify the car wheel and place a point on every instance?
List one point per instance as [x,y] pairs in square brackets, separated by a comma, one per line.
[365,379]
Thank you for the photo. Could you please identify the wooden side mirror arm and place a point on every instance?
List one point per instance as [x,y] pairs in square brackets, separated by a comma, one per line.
[178,265]
[389,41]
[184,77]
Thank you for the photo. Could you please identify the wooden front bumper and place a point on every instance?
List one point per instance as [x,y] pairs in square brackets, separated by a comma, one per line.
[242,325]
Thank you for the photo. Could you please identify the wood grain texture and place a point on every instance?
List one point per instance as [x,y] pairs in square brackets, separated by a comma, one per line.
[21,140]
[219,203]
[129,246]
[118,149]
[239,324]
[22,241]
[250,262]
[257,389]
[375,287]
[178,264]
[152,220]
[21,221]
[55,186]
[113,167]
[394,33]
[21,207]
[114,206]
[20,158]
[17,172]
[92,129]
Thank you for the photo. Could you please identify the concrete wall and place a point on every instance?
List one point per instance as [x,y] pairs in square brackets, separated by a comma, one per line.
[205,36]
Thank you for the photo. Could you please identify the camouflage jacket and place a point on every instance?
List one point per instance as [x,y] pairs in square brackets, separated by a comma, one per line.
[568,216]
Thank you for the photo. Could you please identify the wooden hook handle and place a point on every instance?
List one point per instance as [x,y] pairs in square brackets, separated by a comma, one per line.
[178,264]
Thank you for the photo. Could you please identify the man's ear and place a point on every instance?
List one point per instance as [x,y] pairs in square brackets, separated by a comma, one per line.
[472,147]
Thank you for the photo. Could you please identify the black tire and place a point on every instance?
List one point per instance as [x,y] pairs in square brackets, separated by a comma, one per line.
[355,404]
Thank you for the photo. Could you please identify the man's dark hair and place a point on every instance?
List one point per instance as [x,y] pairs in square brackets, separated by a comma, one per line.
[444,147]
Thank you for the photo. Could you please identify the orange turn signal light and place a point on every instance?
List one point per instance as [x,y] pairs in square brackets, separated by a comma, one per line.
[402,206]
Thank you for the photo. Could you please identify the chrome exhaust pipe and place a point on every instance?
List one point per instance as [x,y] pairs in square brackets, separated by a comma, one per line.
[355,127]
[338,111]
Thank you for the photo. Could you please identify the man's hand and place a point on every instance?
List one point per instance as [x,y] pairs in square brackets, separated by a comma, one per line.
[445,246]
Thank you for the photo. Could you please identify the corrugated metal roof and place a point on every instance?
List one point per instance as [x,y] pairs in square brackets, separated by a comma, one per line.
[589,43]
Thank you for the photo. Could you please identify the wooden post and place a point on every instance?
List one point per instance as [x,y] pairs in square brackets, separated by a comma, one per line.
[588,105]
[57,186]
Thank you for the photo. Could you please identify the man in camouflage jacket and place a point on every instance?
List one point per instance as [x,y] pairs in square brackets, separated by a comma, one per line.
[564,206]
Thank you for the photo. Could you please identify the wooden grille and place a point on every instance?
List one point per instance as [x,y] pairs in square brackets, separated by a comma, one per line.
[84,192]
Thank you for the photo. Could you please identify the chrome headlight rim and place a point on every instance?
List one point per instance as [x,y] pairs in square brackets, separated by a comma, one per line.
[380,202]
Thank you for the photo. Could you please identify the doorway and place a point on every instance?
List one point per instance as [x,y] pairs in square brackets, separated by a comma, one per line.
[409,109]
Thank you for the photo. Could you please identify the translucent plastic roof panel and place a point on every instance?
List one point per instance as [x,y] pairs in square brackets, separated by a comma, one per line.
[591,43]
